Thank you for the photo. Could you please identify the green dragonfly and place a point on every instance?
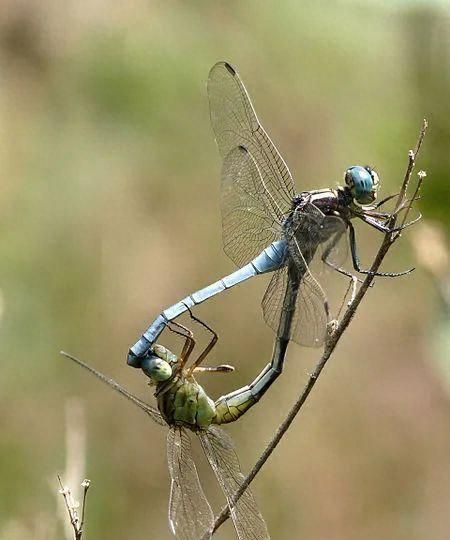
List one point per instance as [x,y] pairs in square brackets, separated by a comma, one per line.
[183,406]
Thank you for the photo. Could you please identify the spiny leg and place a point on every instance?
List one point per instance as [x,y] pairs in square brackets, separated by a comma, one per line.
[356,263]
[189,343]
[378,221]
[208,348]
[385,200]
[223,368]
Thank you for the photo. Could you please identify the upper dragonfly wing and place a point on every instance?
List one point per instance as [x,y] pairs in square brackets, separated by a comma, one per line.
[294,303]
[190,515]
[151,411]
[235,125]
[249,222]
[219,450]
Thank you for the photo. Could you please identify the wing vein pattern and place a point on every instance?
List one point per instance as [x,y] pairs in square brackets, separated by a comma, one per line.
[219,450]
[255,197]
[190,515]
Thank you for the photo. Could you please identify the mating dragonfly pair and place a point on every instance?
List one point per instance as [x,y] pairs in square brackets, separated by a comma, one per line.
[267,227]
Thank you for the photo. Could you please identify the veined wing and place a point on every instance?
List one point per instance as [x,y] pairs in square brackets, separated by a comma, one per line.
[250,222]
[336,249]
[190,515]
[294,304]
[151,411]
[302,305]
[219,450]
[235,125]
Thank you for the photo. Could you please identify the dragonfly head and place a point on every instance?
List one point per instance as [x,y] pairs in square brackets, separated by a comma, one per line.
[156,368]
[363,183]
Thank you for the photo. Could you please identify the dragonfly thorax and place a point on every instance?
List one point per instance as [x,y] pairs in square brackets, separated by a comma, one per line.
[185,403]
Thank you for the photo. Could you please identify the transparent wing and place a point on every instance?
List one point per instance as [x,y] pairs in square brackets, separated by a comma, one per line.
[335,250]
[190,515]
[219,450]
[298,313]
[151,411]
[235,125]
[294,304]
[249,223]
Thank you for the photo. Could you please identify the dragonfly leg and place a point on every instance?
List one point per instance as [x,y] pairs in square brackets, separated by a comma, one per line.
[385,200]
[380,218]
[189,343]
[373,221]
[223,368]
[331,264]
[208,348]
[356,263]
[407,224]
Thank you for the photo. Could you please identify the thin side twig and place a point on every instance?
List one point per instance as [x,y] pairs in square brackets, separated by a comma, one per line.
[389,238]
[72,506]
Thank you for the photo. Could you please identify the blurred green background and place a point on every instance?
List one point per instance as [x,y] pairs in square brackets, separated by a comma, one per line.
[109,212]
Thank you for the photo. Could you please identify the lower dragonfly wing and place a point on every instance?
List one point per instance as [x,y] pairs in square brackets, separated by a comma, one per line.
[222,457]
[190,515]
[250,217]
[294,304]
[304,306]
[335,249]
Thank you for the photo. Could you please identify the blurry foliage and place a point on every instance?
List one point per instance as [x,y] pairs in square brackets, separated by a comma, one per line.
[429,60]
[109,212]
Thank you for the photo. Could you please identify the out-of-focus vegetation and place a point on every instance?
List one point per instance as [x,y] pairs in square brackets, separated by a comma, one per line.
[109,212]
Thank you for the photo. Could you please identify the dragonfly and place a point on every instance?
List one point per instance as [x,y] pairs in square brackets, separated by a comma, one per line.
[270,227]
[183,407]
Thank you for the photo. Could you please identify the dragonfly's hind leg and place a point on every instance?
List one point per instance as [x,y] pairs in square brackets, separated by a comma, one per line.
[195,367]
[356,262]
[189,343]
[223,368]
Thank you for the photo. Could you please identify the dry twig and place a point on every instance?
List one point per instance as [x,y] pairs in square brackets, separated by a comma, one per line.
[72,506]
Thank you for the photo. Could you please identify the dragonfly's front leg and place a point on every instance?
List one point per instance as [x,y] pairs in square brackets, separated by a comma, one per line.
[378,220]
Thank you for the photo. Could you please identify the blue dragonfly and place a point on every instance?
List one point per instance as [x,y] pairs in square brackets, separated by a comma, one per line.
[270,227]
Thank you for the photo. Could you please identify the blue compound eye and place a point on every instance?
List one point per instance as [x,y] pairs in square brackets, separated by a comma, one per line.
[363,183]
[156,369]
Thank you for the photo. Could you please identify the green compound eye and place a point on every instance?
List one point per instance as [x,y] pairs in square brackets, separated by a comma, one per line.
[157,369]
